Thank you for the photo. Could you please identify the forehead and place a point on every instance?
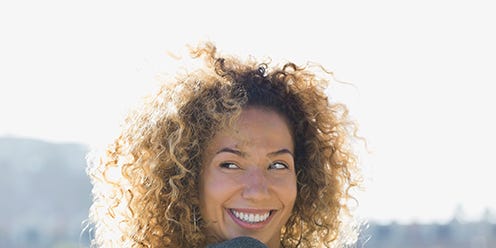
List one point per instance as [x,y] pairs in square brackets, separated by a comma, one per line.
[256,127]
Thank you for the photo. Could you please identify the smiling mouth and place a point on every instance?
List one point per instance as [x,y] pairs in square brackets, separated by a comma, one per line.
[251,218]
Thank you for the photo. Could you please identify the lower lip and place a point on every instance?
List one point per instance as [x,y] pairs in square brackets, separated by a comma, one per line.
[247,225]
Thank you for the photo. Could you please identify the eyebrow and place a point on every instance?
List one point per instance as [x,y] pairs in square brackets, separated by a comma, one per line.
[243,154]
[280,152]
[230,150]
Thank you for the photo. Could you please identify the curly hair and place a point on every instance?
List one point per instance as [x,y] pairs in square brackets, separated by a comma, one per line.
[145,185]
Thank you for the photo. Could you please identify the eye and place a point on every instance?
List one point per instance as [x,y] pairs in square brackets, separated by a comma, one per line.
[229,165]
[278,166]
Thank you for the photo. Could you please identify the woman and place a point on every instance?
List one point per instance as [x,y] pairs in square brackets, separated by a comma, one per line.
[233,150]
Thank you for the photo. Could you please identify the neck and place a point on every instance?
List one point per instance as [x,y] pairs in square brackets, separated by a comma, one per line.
[273,243]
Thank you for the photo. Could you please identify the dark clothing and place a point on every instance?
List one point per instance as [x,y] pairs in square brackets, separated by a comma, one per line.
[239,242]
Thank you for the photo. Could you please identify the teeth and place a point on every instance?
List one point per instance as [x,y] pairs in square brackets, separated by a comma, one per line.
[250,217]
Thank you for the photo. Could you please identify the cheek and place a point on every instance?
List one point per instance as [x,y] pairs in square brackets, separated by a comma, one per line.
[291,192]
[214,192]
[286,186]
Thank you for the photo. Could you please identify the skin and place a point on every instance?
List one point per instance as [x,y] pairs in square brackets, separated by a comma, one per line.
[249,168]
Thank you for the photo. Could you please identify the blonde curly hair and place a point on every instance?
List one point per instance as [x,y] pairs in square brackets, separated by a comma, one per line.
[145,185]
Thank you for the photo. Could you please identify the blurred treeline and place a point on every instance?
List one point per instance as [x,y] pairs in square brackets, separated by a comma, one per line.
[45,194]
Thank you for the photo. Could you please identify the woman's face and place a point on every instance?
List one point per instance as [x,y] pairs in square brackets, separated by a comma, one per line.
[248,183]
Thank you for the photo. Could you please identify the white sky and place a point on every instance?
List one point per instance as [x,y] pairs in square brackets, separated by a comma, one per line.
[424,75]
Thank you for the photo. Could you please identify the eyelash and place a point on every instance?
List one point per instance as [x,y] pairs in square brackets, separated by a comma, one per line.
[283,164]
[228,165]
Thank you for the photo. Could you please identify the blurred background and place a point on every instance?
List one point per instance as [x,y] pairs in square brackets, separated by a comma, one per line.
[422,75]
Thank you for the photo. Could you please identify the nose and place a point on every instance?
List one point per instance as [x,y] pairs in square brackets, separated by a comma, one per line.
[256,185]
